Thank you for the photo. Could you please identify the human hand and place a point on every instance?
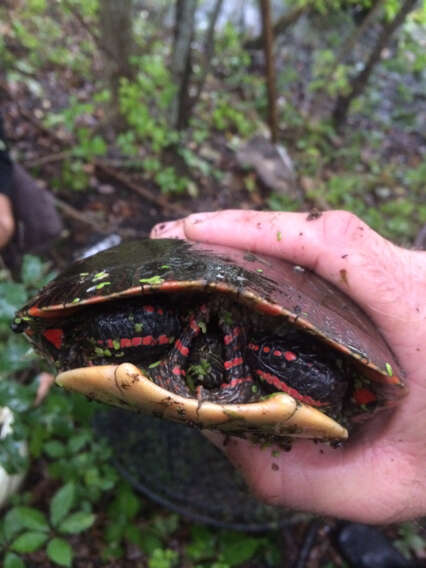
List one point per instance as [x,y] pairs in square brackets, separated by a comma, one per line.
[7,223]
[379,476]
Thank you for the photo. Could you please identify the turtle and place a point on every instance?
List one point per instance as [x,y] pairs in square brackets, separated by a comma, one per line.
[216,338]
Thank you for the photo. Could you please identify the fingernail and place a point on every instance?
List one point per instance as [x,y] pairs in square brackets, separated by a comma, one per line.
[163,229]
[196,218]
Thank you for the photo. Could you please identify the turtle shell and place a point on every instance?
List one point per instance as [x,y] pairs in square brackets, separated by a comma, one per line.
[268,286]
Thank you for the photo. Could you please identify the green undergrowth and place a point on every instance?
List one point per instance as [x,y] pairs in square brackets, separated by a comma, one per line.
[350,170]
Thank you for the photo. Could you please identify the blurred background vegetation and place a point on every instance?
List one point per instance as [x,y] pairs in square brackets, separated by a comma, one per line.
[138,111]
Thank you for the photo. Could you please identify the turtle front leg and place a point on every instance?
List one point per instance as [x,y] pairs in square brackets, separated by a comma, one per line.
[171,372]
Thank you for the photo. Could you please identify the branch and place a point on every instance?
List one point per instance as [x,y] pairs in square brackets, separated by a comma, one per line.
[353,38]
[360,81]
[208,50]
[279,27]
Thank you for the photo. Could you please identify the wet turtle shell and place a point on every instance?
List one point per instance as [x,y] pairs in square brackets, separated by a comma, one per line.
[278,293]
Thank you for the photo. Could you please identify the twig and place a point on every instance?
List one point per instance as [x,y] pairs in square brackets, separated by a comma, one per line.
[349,44]
[207,51]
[73,213]
[46,159]
[160,201]
[35,122]
[96,39]
[307,544]
[280,26]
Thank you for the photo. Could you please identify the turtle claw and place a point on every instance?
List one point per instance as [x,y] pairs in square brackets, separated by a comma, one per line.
[278,415]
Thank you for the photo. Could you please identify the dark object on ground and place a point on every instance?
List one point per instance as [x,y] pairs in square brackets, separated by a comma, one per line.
[363,546]
[37,221]
[236,294]
[178,468]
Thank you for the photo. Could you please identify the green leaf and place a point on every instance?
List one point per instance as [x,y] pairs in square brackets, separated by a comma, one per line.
[32,519]
[238,548]
[77,522]
[29,542]
[77,442]
[126,502]
[12,560]
[148,541]
[61,503]
[59,551]
[12,523]
[20,518]
[54,449]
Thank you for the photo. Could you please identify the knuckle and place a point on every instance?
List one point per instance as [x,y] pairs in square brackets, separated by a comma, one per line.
[343,228]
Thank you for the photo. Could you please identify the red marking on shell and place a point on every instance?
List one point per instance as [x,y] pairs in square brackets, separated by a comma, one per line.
[163,340]
[227,339]
[282,386]
[54,336]
[277,353]
[148,340]
[149,309]
[253,346]
[34,311]
[364,396]
[160,311]
[100,342]
[183,350]
[233,363]
[110,343]
[266,349]
[290,356]
[267,308]
[178,371]
[136,341]
[194,325]
[125,342]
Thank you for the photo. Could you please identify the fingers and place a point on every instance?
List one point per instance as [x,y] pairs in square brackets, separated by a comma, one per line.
[348,483]
[169,230]
[337,245]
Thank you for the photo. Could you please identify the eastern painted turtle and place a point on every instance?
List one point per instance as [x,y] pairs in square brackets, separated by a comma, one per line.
[214,337]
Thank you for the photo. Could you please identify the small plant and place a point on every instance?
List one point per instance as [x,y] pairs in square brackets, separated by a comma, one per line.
[27,529]
[410,540]
[227,118]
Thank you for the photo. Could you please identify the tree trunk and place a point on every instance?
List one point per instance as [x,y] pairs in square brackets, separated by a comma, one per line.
[208,51]
[280,26]
[115,22]
[359,82]
[349,44]
[181,67]
[268,40]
